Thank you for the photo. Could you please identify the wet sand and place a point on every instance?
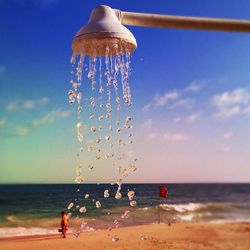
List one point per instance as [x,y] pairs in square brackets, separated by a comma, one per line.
[176,236]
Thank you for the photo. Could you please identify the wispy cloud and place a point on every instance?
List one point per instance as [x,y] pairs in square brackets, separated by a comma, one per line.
[169,137]
[26,104]
[185,103]
[228,135]
[2,122]
[50,118]
[175,137]
[190,119]
[152,136]
[232,103]
[147,124]
[224,149]
[161,100]
[20,132]
[195,86]
[146,107]
[193,117]
[177,119]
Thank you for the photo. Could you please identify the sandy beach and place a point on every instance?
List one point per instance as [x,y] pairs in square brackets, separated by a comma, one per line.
[176,236]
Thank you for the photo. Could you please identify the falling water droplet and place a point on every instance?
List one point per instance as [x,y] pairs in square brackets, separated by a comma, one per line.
[101,90]
[133,203]
[126,214]
[128,119]
[118,195]
[83,210]
[71,204]
[100,117]
[90,167]
[106,193]
[98,204]
[115,238]
[79,131]
[125,173]
[72,96]
[79,179]
[131,195]
[98,139]
[117,99]
[90,147]
[93,128]
[79,97]
[143,237]
[107,137]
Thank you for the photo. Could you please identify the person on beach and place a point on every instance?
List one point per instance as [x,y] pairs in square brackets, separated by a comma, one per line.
[64,224]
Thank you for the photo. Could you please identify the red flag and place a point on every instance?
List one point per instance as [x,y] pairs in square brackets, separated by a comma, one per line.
[163,192]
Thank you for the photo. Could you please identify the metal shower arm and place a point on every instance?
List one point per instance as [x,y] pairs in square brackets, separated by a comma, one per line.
[182,22]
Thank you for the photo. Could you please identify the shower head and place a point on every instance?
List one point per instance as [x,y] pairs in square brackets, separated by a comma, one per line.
[104,30]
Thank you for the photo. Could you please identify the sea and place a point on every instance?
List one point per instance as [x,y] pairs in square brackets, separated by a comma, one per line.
[35,209]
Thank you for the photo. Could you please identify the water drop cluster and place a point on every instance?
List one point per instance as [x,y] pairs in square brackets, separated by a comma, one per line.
[101,95]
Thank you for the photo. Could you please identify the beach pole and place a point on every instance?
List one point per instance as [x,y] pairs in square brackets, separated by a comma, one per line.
[159,213]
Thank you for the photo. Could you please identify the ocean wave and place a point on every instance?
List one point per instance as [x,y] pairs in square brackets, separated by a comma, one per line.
[7,232]
[182,208]
[203,207]
[206,212]
[24,231]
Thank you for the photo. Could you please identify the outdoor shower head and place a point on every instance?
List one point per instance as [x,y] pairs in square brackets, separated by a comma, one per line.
[104,30]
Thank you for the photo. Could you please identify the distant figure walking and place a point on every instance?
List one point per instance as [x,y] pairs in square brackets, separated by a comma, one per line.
[64,224]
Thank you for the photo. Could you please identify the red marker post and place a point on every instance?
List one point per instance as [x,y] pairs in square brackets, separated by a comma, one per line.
[163,193]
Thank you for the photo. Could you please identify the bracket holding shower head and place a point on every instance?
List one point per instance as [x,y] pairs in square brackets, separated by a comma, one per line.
[105,29]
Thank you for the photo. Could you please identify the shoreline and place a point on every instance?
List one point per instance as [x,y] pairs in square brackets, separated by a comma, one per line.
[157,236]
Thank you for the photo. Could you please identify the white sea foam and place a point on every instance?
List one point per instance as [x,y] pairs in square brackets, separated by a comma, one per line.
[223,221]
[187,218]
[7,232]
[182,208]
[24,231]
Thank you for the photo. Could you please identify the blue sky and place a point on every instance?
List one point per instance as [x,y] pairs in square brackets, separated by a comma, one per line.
[191,93]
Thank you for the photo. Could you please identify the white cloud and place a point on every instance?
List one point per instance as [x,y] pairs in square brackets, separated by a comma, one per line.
[193,117]
[147,124]
[177,119]
[161,100]
[47,119]
[172,137]
[175,137]
[50,118]
[26,104]
[21,132]
[232,103]
[195,86]
[146,107]
[186,103]
[2,122]
[228,135]
[225,149]
[152,136]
